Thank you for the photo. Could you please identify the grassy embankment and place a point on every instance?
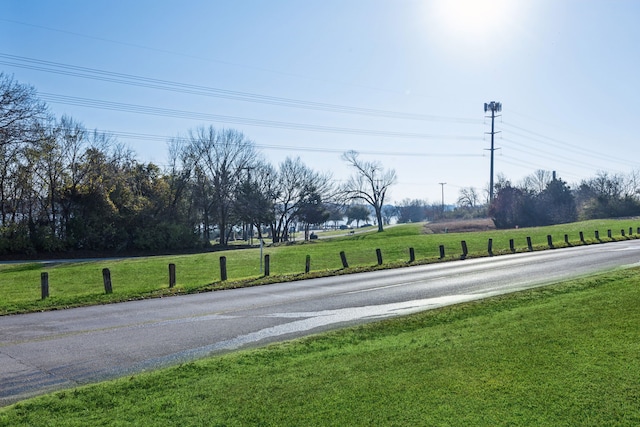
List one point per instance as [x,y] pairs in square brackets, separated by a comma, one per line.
[563,355]
[77,284]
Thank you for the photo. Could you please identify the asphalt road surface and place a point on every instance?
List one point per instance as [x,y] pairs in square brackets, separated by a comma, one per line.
[42,352]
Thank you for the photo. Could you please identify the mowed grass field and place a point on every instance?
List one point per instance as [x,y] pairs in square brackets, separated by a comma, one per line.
[80,283]
[562,355]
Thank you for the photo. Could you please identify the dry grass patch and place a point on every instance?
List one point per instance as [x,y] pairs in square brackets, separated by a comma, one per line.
[459,226]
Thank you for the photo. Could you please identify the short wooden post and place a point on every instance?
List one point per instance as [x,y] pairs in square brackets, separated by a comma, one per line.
[412,255]
[550,241]
[223,268]
[490,247]
[630,231]
[566,240]
[622,232]
[582,237]
[529,245]
[267,265]
[597,235]
[172,275]
[441,251]
[44,285]
[379,256]
[106,279]
[307,264]
[465,251]
[512,246]
[609,234]
[343,258]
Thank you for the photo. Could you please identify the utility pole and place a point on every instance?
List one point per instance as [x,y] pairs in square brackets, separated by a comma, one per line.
[494,107]
[442,184]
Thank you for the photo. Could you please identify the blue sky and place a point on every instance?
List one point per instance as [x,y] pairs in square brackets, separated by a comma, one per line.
[566,72]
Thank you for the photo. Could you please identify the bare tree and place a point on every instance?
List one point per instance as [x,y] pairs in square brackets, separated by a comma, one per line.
[291,189]
[468,197]
[370,183]
[20,110]
[537,181]
[222,156]
[20,115]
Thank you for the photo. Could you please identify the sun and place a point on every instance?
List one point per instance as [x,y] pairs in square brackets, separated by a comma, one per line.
[472,23]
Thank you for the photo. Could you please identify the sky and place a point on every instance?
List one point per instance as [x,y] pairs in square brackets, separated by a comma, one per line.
[402,82]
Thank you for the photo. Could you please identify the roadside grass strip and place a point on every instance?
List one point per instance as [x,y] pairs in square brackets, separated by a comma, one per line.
[562,355]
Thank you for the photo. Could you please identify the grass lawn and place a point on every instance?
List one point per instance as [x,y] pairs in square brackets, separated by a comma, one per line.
[562,355]
[77,284]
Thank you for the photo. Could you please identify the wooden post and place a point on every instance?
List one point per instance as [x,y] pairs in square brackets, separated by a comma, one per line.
[267,265]
[597,235]
[609,234]
[343,258]
[223,268]
[566,239]
[307,264]
[622,232]
[550,241]
[490,247]
[582,237]
[529,245]
[379,256]
[465,252]
[630,231]
[412,255]
[172,275]
[106,279]
[44,285]
[441,251]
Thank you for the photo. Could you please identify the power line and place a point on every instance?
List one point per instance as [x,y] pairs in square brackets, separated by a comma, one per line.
[289,148]
[574,149]
[166,85]
[166,112]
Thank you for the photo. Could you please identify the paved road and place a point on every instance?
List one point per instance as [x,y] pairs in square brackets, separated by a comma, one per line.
[41,352]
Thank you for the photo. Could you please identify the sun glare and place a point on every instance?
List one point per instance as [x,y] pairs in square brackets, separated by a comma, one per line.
[472,23]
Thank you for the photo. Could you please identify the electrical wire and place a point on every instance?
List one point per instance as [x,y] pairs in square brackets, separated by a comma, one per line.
[166,112]
[146,82]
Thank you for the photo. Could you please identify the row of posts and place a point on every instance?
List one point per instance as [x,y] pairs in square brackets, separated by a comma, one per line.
[108,288]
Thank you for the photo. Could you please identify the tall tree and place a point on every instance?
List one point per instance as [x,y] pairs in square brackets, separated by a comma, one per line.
[291,189]
[370,183]
[20,111]
[222,156]
[254,203]
[537,182]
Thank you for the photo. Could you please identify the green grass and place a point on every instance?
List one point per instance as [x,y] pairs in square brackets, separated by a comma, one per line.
[78,284]
[562,355]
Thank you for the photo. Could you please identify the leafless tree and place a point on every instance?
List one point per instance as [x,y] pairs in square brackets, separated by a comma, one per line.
[220,157]
[292,187]
[468,198]
[538,181]
[370,183]
[20,111]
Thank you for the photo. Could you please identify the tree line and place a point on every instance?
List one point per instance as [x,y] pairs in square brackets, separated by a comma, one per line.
[64,187]
[539,199]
